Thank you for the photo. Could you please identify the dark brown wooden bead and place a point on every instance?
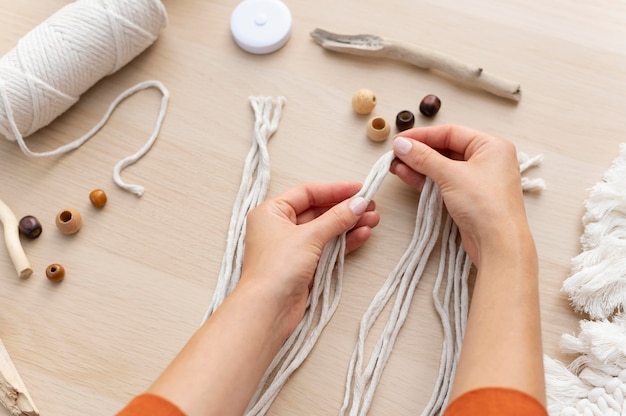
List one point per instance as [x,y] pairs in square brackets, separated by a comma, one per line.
[30,227]
[405,120]
[430,105]
[69,221]
[55,272]
[98,198]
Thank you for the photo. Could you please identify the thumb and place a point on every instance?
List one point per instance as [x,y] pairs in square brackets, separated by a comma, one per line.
[422,158]
[339,219]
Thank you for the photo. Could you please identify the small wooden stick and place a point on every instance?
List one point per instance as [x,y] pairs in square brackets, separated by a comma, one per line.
[13,393]
[377,47]
[12,240]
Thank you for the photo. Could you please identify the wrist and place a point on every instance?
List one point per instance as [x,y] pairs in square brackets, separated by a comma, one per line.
[266,306]
[512,242]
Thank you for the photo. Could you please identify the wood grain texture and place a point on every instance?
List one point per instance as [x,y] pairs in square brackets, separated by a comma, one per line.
[140,273]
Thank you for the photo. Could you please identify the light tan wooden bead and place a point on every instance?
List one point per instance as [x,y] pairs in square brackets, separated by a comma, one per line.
[364,101]
[378,129]
[69,221]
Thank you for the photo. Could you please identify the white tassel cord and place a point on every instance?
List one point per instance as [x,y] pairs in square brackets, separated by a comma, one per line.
[597,284]
[64,56]
[595,382]
[525,163]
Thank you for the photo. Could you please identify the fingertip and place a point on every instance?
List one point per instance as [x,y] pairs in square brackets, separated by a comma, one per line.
[409,176]
[357,237]
[394,165]
[369,218]
[402,146]
[358,205]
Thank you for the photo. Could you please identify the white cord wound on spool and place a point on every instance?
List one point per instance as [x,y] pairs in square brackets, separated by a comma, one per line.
[64,56]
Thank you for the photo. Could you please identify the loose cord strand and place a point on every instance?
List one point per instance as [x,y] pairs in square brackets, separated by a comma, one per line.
[252,190]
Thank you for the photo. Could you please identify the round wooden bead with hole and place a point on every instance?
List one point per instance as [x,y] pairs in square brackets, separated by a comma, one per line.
[98,198]
[55,272]
[430,105]
[30,227]
[364,101]
[69,221]
[405,120]
[378,129]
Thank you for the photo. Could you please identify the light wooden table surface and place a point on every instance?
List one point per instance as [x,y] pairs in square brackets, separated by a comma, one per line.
[141,272]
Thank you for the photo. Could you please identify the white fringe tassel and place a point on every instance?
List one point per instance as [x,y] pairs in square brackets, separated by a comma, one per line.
[597,285]
[595,382]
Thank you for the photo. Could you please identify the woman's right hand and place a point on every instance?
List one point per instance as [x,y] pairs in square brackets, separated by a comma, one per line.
[479,178]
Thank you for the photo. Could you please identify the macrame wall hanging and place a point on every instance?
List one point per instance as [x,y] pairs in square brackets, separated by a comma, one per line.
[595,382]
[450,295]
[60,59]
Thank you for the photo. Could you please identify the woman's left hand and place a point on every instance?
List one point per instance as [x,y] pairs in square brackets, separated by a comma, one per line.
[285,236]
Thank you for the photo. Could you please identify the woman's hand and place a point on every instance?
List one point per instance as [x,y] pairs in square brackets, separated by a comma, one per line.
[478,175]
[480,184]
[220,368]
[285,236]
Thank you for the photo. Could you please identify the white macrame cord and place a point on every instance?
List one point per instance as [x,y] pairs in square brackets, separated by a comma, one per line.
[450,294]
[252,190]
[64,56]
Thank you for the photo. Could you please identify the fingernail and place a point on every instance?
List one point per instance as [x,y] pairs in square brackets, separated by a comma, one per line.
[402,146]
[358,205]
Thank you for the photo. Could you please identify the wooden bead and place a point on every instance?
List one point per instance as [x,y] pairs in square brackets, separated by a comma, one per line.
[405,120]
[55,272]
[69,221]
[364,101]
[98,198]
[378,129]
[430,105]
[30,227]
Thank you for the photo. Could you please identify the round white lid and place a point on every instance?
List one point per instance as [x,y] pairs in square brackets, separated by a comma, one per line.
[261,26]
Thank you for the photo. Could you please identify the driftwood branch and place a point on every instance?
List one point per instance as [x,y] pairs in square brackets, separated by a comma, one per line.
[13,393]
[12,240]
[378,47]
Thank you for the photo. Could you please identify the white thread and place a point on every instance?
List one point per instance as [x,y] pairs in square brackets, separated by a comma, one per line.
[252,191]
[454,266]
[64,56]
[403,278]
[361,384]
[525,163]
[326,291]
[456,290]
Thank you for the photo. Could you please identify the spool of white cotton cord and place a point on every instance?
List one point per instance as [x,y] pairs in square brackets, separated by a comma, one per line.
[61,58]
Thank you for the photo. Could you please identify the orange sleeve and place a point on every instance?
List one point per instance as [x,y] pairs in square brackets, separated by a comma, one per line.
[150,405]
[492,401]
